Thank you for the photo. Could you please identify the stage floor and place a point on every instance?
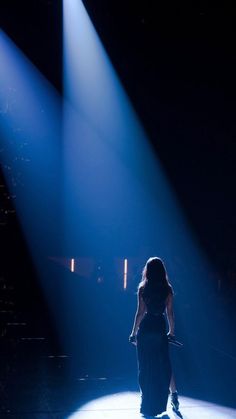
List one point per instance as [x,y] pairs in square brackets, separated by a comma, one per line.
[126,405]
[119,405]
[47,393]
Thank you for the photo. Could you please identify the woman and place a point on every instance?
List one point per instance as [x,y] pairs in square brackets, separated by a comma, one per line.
[155,297]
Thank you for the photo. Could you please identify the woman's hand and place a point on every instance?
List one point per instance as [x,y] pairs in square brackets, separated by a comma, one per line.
[133,339]
[170,336]
[171,339]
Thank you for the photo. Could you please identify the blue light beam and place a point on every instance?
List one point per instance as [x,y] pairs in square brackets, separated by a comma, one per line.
[121,183]
[30,115]
[117,198]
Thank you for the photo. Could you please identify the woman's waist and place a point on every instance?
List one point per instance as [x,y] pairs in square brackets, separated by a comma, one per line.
[153,318]
[153,313]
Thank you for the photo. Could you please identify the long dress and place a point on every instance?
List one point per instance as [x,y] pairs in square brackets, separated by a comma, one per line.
[154,368]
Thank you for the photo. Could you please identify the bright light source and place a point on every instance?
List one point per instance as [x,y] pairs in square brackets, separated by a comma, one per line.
[72,265]
[125,273]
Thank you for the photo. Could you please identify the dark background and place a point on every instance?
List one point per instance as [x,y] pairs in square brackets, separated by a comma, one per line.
[177,63]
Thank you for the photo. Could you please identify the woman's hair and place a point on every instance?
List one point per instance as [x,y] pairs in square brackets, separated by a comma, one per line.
[154,278]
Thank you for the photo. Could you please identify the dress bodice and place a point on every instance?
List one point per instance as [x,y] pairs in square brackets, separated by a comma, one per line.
[155,304]
[155,299]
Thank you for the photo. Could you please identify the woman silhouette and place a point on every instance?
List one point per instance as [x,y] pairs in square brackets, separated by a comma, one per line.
[155,297]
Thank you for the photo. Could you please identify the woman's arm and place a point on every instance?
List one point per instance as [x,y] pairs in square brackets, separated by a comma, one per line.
[141,310]
[170,314]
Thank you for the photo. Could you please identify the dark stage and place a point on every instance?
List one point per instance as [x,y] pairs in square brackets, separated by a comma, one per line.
[117,143]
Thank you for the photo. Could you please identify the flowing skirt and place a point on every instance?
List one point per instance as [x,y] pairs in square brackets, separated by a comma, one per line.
[154,368]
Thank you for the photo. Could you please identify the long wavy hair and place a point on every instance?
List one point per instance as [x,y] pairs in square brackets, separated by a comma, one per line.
[154,279]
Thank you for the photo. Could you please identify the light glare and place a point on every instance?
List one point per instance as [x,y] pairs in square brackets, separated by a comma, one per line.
[72,265]
[125,273]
